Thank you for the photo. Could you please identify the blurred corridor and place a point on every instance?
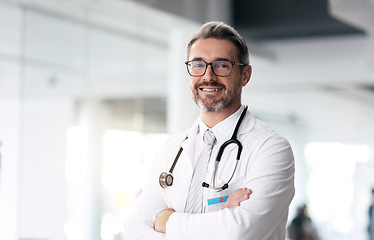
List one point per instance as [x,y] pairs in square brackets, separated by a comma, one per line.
[90,90]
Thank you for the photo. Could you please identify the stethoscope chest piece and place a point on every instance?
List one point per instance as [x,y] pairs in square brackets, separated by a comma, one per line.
[166,180]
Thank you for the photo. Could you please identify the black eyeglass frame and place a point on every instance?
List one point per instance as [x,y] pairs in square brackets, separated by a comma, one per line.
[207,64]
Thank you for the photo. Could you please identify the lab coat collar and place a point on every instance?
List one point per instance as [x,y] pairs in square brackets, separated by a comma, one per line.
[224,130]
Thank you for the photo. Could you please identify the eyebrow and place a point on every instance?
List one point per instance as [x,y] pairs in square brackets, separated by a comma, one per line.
[217,59]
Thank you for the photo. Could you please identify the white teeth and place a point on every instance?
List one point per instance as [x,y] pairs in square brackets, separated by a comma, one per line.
[211,89]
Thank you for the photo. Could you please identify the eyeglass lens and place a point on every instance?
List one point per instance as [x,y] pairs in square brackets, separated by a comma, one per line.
[220,68]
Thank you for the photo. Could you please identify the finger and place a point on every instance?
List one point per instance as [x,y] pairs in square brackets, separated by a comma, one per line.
[246,190]
[245,197]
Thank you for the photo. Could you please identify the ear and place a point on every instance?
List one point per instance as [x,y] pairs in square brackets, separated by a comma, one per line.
[189,80]
[246,75]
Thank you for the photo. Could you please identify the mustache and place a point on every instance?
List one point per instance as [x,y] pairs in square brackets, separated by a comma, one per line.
[210,84]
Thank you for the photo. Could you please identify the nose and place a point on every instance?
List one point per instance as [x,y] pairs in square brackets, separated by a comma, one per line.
[209,74]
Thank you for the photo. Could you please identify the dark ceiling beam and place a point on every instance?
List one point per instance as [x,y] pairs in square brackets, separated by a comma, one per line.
[261,20]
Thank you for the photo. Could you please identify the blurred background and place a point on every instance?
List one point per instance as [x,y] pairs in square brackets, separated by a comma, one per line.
[90,90]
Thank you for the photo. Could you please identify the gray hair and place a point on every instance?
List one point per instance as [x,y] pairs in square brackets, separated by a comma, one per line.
[222,31]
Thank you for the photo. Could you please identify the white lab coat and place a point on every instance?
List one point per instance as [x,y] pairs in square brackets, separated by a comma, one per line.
[266,167]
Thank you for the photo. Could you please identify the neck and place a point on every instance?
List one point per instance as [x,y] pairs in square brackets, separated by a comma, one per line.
[213,118]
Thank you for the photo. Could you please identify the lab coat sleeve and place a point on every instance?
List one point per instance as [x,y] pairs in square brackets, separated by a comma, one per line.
[271,178]
[140,225]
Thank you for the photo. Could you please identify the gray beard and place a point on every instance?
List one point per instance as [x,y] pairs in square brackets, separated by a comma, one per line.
[219,106]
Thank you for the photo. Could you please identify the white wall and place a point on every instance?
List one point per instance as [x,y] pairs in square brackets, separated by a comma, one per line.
[52,55]
[10,119]
[43,203]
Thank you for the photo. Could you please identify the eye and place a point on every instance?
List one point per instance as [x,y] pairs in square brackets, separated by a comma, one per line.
[222,64]
[197,64]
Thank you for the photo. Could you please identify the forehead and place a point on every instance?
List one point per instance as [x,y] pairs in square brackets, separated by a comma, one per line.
[212,49]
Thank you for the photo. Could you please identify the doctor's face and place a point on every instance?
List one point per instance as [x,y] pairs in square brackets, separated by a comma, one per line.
[211,92]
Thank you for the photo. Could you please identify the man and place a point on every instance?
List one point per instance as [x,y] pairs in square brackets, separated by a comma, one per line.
[218,68]
[302,226]
[371,217]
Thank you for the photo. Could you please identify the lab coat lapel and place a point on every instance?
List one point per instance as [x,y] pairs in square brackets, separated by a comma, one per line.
[246,125]
[187,160]
[189,145]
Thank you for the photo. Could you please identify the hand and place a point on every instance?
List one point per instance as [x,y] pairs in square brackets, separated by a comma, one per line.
[162,218]
[236,197]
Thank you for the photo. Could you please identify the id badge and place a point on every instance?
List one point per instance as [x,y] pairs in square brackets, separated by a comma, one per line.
[216,200]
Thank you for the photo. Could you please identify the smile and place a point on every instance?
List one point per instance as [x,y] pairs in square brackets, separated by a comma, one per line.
[211,89]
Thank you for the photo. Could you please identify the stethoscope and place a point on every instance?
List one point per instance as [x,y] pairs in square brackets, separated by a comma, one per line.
[166,178]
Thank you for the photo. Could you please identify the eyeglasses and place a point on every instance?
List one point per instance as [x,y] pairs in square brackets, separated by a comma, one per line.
[221,68]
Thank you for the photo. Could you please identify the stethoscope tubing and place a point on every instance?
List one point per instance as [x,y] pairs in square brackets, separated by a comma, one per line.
[233,140]
[166,178]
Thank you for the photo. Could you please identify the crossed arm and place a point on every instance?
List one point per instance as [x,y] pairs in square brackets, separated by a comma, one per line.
[233,201]
[264,215]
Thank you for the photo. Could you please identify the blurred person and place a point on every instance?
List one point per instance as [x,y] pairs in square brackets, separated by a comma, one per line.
[0,164]
[229,176]
[371,217]
[301,227]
